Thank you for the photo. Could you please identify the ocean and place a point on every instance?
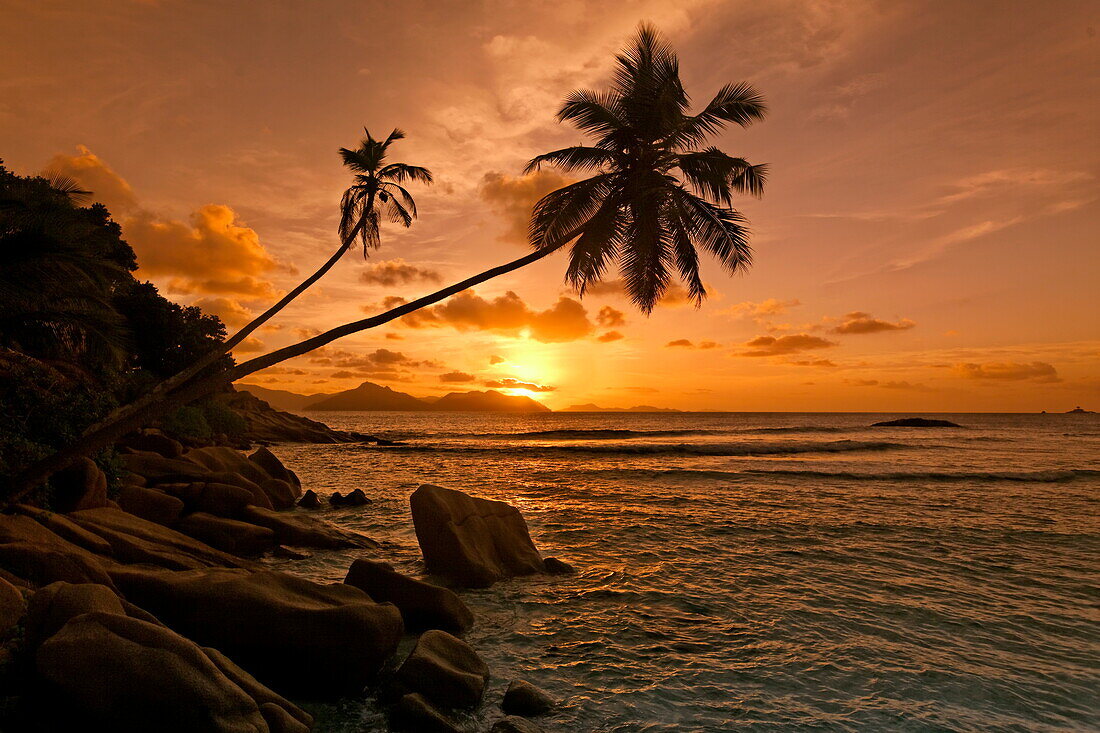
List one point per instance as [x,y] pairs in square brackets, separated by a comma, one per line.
[759,571]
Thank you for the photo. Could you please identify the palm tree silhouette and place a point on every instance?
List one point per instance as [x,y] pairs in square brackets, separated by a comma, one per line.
[634,210]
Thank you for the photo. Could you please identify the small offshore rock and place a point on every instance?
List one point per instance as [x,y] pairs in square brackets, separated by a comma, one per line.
[422,605]
[310,500]
[916,422]
[352,498]
[523,698]
[514,724]
[554,566]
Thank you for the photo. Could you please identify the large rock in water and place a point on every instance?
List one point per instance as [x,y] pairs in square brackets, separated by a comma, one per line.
[283,629]
[118,673]
[422,605]
[445,669]
[300,530]
[471,542]
[915,422]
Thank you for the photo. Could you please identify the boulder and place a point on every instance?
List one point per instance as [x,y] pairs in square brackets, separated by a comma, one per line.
[259,496]
[137,540]
[471,542]
[422,605]
[415,714]
[80,486]
[227,500]
[554,566]
[229,535]
[156,469]
[444,669]
[67,529]
[152,441]
[310,500]
[292,528]
[274,468]
[56,604]
[281,494]
[514,724]
[219,459]
[523,698]
[111,672]
[34,553]
[152,504]
[284,629]
[281,715]
[12,608]
[352,498]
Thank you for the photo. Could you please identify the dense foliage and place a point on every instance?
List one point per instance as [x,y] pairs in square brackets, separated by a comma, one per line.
[79,334]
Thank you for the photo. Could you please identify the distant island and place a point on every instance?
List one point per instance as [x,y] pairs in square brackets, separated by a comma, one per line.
[371,397]
[590,407]
[1079,411]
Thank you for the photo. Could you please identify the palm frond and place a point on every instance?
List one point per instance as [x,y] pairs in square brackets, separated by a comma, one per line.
[577,158]
[557,215]
[402,172]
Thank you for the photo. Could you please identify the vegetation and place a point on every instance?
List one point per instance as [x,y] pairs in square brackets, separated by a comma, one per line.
[654,199]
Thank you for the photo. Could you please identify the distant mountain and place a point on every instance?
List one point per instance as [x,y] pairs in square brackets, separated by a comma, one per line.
[590,407]
[280,399]
[488,401]
[370,396]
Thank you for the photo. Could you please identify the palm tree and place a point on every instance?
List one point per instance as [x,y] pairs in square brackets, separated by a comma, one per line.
[652,201]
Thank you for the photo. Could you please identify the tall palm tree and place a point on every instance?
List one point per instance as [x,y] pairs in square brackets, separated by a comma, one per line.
[651,202]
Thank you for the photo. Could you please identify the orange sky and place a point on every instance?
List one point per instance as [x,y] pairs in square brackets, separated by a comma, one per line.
[928,239]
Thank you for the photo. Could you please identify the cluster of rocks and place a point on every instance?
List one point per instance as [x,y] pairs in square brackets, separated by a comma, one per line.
[149,614]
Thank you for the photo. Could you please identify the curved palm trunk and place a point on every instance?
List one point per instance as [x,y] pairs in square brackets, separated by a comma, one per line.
[106,432]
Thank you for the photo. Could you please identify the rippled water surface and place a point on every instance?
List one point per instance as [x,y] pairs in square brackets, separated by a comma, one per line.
[761,571]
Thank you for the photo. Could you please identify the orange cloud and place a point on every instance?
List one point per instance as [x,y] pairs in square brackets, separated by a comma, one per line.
[812,363]
[494,359]
[566,320]
[675,296]
[229,310]
[214,254]
[769,307]
[681,342]
[514,197]
[397,272]
[609,336]
[456,377]
[791,344]
[510,383]
[1036,371]
[887,384]
[858,322]
[609,317]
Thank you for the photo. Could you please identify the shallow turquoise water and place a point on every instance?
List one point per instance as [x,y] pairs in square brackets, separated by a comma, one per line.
[761,571]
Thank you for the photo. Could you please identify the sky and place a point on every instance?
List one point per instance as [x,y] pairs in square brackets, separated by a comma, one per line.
[929,238]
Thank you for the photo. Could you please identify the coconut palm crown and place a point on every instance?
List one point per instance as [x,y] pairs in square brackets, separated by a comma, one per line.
[377,190]
[656,196]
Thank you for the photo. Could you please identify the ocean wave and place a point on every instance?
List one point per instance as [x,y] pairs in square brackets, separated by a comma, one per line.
[1048,476]
[626,434]
[685,449]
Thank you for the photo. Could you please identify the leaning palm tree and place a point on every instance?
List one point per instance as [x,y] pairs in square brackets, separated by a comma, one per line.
[376,191]
[653,200]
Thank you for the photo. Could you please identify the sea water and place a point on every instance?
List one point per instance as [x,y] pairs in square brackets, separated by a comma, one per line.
[758,571]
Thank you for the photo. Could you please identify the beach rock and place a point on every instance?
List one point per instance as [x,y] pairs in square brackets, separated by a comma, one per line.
[230,535]
[523,698]
[422,605]
[281,715]
[56,604]
[34,553]
[471,542]
[415,714]
[12,608]
[445,669]
[243,487]
[352,498]
[281,494]
[152,441]
[310,500]
[513,724]
[274,468]
[80,486]
[122,674]
[67,529]
[916,422]
[156,469]
[137,540]
[554,566]
[291,553]
[296,529]
[152,504]
[220,459]
[323,639]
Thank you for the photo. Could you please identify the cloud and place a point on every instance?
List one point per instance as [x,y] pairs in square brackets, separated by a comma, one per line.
[676,296]
[609,317]
[456,377]
[494,359]
[250,345]
[514,197]
[510,383]
[229,310]
[709,344]
[379,361]
[769,307]
[791,344]
[858,322]
[609,336]
[812,363]
[917,387]
[687,344]
[681,342]
[397,272]
[1036,371]
[566,320]
[394,336]
[213,254]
